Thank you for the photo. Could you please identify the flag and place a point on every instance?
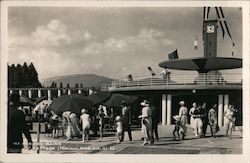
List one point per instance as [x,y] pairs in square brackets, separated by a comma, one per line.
[220,21]
[129,77]
[151,71]
[173,55]
[206,12]
[196,43]
[227,29]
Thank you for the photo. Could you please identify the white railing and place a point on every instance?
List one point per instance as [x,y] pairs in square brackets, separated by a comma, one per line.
[201,79]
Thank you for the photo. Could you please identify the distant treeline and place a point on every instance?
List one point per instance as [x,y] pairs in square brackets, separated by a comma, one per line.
[23,76]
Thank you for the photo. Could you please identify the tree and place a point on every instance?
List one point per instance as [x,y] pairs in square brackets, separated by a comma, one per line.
[34,76]
[52,85]
[81,85]
[76,85]
[68,85]
[61,85]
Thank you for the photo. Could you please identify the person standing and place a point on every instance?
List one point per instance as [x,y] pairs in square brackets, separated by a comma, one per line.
[85,121]
[146,121]
[204,118]
[73,129]
[119,129]
[126,120]
[54,121]
[212,119]
[191,113]
[155,121]
[16,126]
[197,122]
[101,120]
[183,111]
[229,120]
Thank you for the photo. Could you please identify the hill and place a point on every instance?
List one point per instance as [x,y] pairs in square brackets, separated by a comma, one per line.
[88,80]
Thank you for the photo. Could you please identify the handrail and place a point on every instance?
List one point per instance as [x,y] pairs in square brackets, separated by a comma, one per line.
[200,79]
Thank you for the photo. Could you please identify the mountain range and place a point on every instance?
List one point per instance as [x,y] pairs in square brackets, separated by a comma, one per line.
[88,80]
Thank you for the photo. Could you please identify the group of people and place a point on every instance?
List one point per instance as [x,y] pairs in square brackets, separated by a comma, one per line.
[200,118]
[148,122]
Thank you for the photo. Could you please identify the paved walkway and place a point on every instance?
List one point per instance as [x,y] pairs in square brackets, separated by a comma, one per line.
[166,144]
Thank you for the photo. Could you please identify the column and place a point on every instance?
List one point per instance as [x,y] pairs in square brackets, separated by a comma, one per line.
[58,93]
[39,94]
[226,104]
[20,92]
[49,94]
[29,93]
[169,108]
[69,92]
[220,110]
[79,91]
[164,109]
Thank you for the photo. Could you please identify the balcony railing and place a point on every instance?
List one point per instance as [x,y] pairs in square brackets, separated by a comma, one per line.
[201,79]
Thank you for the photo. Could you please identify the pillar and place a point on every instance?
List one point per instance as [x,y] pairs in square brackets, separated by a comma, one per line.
[39,93]
[226,104]
[20,92]
[164,109]
[58,93]
[169,101]
[49,94]
[220,110]
[69,92]
[79,91]
[29,93]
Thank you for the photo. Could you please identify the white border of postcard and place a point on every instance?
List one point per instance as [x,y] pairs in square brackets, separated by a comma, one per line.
[4,157]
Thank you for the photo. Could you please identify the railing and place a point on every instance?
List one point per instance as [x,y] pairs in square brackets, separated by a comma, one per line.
[200,79]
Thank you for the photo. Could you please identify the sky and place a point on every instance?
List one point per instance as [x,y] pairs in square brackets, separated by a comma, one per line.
[111,41]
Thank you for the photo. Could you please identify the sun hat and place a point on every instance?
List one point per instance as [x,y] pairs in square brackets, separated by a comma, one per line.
[124,102]
[182,102]
[145,103]
[83,110]
[118,118]
[176,117]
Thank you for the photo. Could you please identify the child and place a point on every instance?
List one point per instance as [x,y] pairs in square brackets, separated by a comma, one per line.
[178,128]
[54,125]
[85,120]
[118,120]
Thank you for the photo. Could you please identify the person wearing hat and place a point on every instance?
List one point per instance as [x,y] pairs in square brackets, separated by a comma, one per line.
[183,112]
[191,113]
[85,121]
[126,120]
[119,129]
[146,121]
[16,126]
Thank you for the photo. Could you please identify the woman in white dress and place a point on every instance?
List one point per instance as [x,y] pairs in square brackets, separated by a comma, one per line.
[72,128]
[146,122]
[191,113]
[85,121]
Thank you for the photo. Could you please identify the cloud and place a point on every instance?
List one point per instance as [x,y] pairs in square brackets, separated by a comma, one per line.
[146,40]
[46,62]
[54,33]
